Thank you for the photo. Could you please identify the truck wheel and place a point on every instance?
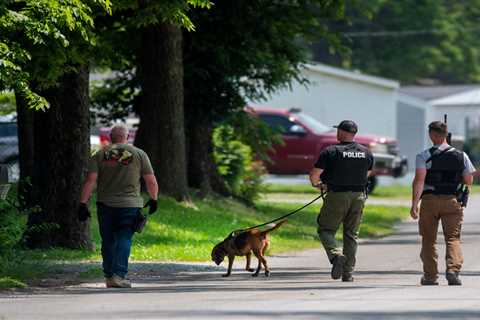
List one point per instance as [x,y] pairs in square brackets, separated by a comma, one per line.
[372,183]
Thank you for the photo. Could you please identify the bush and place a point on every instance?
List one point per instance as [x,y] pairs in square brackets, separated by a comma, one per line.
[7,103]
[236,164]
[12,226]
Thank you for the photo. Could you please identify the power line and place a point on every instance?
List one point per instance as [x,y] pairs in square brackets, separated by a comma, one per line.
[403,33]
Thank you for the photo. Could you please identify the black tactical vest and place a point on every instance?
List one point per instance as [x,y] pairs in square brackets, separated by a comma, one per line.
[348,168]
[446,172]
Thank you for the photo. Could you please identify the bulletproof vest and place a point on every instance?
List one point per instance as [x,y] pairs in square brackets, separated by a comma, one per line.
[446,172]
[349,167]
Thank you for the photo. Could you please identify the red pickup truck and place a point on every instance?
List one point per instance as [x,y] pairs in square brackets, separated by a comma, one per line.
[304,137]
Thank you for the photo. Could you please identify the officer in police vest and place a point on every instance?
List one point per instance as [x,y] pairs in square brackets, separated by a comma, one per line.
[439,172]
[342,170]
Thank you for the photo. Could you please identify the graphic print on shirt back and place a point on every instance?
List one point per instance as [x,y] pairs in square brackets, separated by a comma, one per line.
[117,155]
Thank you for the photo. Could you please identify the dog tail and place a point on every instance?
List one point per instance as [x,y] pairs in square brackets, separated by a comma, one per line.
[275,226]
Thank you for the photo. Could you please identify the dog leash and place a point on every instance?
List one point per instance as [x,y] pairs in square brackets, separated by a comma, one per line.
[322,195]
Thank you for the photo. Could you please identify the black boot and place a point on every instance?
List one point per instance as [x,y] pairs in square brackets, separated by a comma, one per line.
[428,282]
[347,277]
[453,279]
[337,266]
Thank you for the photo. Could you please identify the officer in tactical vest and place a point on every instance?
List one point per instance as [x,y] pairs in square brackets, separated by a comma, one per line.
[439,173]
[342,170]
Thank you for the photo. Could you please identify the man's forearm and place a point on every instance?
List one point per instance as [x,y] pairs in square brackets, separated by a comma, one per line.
[152,189]
[468,179]
[87,191]
[417,187]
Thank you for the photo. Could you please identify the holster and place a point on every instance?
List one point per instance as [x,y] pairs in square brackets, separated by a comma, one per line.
[462,196]
[139,222]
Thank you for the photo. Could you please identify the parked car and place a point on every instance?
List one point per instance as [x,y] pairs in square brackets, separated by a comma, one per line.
[304,137]
[9,146]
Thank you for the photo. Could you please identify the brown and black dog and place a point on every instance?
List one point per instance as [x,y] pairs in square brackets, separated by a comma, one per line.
[243,244]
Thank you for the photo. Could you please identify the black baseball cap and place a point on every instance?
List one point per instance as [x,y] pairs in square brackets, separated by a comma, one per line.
[347,125]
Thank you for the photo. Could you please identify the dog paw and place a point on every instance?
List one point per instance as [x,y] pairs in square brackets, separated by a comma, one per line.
[267,273]
[226,275]
[255,274]
[250,270]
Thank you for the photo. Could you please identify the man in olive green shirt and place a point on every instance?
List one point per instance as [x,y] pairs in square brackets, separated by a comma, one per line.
[117,170]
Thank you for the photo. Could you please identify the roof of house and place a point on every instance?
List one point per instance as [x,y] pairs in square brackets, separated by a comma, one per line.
[429,93]
[352,75]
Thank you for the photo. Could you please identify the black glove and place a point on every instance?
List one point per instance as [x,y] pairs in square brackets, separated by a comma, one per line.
[83,213]
[152,205]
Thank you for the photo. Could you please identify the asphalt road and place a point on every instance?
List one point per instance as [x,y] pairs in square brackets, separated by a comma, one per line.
[386,286]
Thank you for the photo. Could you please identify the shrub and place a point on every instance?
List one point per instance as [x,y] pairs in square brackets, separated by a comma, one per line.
[7,103]
[12,226]
[236,164]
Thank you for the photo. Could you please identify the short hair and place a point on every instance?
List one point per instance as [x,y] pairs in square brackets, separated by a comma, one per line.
[438,127]
[119,132]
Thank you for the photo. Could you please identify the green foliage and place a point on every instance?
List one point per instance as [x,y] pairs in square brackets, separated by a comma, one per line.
[12,226]
[411,40]
[235,164]
[246,50]
[472,148]
[116,97]
[53,34]
[7,103]
[255,133]
[153,12]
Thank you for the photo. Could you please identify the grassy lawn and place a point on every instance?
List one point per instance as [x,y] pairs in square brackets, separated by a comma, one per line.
[180,233]
[393,191]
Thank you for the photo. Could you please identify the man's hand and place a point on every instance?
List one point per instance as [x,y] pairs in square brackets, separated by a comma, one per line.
[320,185]
[414,212]
[152,205]
[83,213]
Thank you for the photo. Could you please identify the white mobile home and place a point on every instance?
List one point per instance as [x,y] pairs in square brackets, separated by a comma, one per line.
[420,105]
[334,94]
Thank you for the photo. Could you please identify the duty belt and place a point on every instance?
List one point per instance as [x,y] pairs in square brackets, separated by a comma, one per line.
[437,193]
[346,188]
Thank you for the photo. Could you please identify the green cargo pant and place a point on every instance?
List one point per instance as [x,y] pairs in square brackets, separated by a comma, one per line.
[338,208]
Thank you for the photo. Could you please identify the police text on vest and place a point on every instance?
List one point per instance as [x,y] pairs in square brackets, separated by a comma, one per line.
[351,154]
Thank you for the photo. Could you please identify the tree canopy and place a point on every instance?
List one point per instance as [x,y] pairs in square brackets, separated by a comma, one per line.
[46,28]
[411,40]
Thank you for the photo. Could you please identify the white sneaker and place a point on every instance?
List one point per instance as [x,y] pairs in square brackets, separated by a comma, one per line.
[109,282]
[118,282]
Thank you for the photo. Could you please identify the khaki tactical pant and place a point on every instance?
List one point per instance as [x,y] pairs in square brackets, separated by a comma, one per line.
[432,209]
[338,208]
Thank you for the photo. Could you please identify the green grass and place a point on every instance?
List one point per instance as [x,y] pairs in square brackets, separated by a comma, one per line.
[290,188]
[394,191]
[8,282]
[180,233]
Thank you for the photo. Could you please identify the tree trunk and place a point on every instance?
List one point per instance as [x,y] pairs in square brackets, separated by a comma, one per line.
[61,151]
[202,170]
[162,130]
